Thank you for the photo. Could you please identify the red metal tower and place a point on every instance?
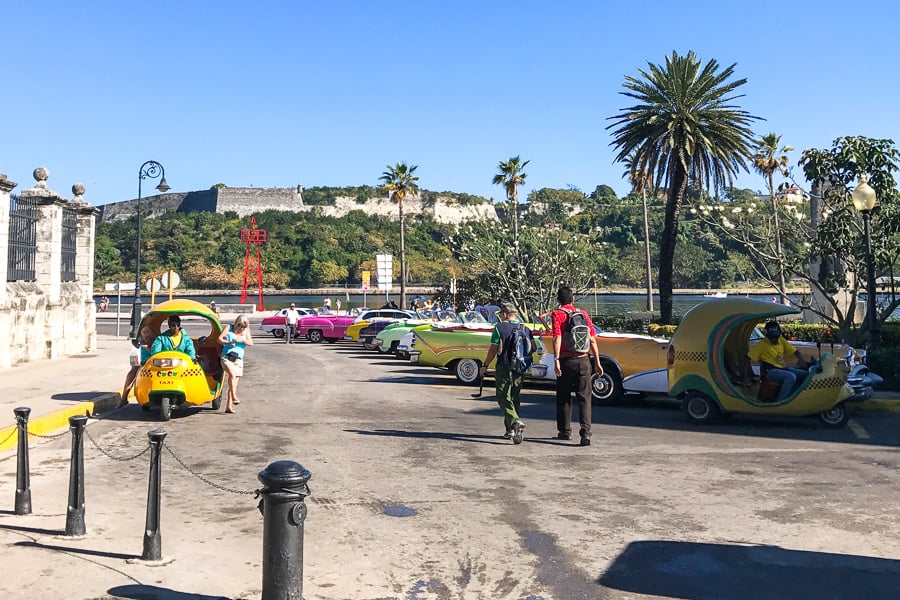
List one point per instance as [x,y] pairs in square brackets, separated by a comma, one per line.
[251,237]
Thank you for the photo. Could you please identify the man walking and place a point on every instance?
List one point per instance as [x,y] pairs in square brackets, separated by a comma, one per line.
[290,320]
[508,384]
[573,340]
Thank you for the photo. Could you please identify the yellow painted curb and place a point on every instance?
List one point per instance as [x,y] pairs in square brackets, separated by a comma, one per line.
[56,420]
[46,424]
[872,404]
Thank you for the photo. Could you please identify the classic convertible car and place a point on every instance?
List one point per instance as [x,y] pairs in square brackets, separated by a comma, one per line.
[388,339]
[275,323]
[631,362]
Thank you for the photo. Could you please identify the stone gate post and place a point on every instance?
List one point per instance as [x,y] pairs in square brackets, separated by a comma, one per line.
[6,186]
[84,261]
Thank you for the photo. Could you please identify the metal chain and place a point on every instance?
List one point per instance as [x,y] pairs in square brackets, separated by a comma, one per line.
[108,455]
[202,477]
[50,436]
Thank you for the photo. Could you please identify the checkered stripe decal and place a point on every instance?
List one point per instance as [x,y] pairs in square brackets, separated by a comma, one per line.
[691,356]
[826,383]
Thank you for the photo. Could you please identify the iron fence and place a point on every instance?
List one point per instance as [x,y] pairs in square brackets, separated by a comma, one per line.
[22,238]
[69,235]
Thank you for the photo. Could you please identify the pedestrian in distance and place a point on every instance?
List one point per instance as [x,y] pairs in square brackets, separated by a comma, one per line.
[508,377]
[573,342]
[290,320]
[234,341]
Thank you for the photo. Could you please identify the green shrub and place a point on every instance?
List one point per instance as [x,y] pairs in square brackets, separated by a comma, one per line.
[885,361]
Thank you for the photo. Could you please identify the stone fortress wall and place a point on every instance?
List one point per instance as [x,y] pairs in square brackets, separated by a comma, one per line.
[251,201]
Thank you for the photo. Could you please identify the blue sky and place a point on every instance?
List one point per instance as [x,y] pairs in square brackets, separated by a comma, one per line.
[271,94]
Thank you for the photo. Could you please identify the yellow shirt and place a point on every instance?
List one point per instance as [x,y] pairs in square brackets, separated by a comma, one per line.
[176,339]
[772,353]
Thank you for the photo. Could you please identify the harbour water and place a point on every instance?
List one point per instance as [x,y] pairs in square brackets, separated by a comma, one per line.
[605,304]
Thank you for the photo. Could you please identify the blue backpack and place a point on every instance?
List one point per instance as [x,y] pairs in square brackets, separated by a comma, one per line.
[518,356]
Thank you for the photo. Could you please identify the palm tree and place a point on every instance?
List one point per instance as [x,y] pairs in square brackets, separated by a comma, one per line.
[511,177]
[766,162]
[400,181]
[683,126]
[640,179]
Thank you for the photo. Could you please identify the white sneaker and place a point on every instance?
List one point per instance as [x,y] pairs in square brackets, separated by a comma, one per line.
[518,432]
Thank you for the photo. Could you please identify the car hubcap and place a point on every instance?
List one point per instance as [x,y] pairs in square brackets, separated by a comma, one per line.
[468,370]
[601,387]
[833,415]
[698,408]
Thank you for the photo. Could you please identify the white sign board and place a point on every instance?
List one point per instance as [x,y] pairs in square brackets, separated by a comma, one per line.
[384,269]
[175,280]
[153,285]
[119,287]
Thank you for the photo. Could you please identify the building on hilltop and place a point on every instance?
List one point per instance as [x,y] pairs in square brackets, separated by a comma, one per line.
[250,201]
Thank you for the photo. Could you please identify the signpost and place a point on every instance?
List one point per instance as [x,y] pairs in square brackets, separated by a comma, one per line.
[170,280]
[119,287]
[385,272]
[153,286]
[366,279]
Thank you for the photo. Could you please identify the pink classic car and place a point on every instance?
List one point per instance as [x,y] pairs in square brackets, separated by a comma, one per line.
[330,328]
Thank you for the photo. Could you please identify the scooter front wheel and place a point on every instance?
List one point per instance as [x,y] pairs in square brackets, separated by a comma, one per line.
[165,408]
[835,417]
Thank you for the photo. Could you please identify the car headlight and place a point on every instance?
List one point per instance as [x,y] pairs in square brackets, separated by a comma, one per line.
[167,363]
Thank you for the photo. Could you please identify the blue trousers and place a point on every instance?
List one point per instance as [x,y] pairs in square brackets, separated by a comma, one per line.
[787,377]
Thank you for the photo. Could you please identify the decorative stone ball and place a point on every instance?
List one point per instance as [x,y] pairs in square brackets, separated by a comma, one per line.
[78,189]
[41,175]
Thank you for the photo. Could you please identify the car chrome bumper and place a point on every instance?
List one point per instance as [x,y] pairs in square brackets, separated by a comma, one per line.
[414,357]
[378,343]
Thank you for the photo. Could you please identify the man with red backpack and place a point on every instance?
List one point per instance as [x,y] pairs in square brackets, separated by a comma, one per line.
[573,342]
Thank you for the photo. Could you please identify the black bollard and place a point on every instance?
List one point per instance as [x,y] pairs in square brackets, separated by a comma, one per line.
[23,480]
[284,510]
[152,539]
[75,510]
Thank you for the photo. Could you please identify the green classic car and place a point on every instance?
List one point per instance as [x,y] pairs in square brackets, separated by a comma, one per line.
[389,338]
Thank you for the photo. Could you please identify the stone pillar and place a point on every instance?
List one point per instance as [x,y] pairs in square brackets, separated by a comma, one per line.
[6,186]
[47,262]
[84,261]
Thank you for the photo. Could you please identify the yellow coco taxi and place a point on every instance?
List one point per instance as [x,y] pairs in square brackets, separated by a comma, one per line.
[708,368]
[171,378]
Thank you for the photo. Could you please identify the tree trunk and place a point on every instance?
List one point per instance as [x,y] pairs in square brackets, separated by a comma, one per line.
[647,251]
[402,259]
[674,195]
[782,287]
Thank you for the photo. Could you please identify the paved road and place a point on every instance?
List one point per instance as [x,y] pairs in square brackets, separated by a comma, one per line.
[655,508]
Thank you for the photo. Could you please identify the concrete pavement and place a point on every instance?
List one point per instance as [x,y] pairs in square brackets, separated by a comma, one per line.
[91,383]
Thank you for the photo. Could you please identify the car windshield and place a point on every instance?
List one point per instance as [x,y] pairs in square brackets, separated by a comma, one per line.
[472,316]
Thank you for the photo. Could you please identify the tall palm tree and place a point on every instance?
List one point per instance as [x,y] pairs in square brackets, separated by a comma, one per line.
[683,126]
[511,176]
[399,181]
[766,163]
[640,179]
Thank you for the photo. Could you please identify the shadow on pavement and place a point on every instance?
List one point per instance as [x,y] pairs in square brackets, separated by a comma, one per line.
[36,530]
[442,435]
[71,550]
[79,396]
[735,572]
[152,592]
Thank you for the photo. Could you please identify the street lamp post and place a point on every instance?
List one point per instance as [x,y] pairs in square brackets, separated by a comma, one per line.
[149,170]
[864,200]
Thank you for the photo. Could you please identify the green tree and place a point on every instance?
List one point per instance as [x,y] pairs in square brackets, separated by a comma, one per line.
[399,181]
[767,161]
[511,176]
[682,126]
[527,273]
[838,231]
